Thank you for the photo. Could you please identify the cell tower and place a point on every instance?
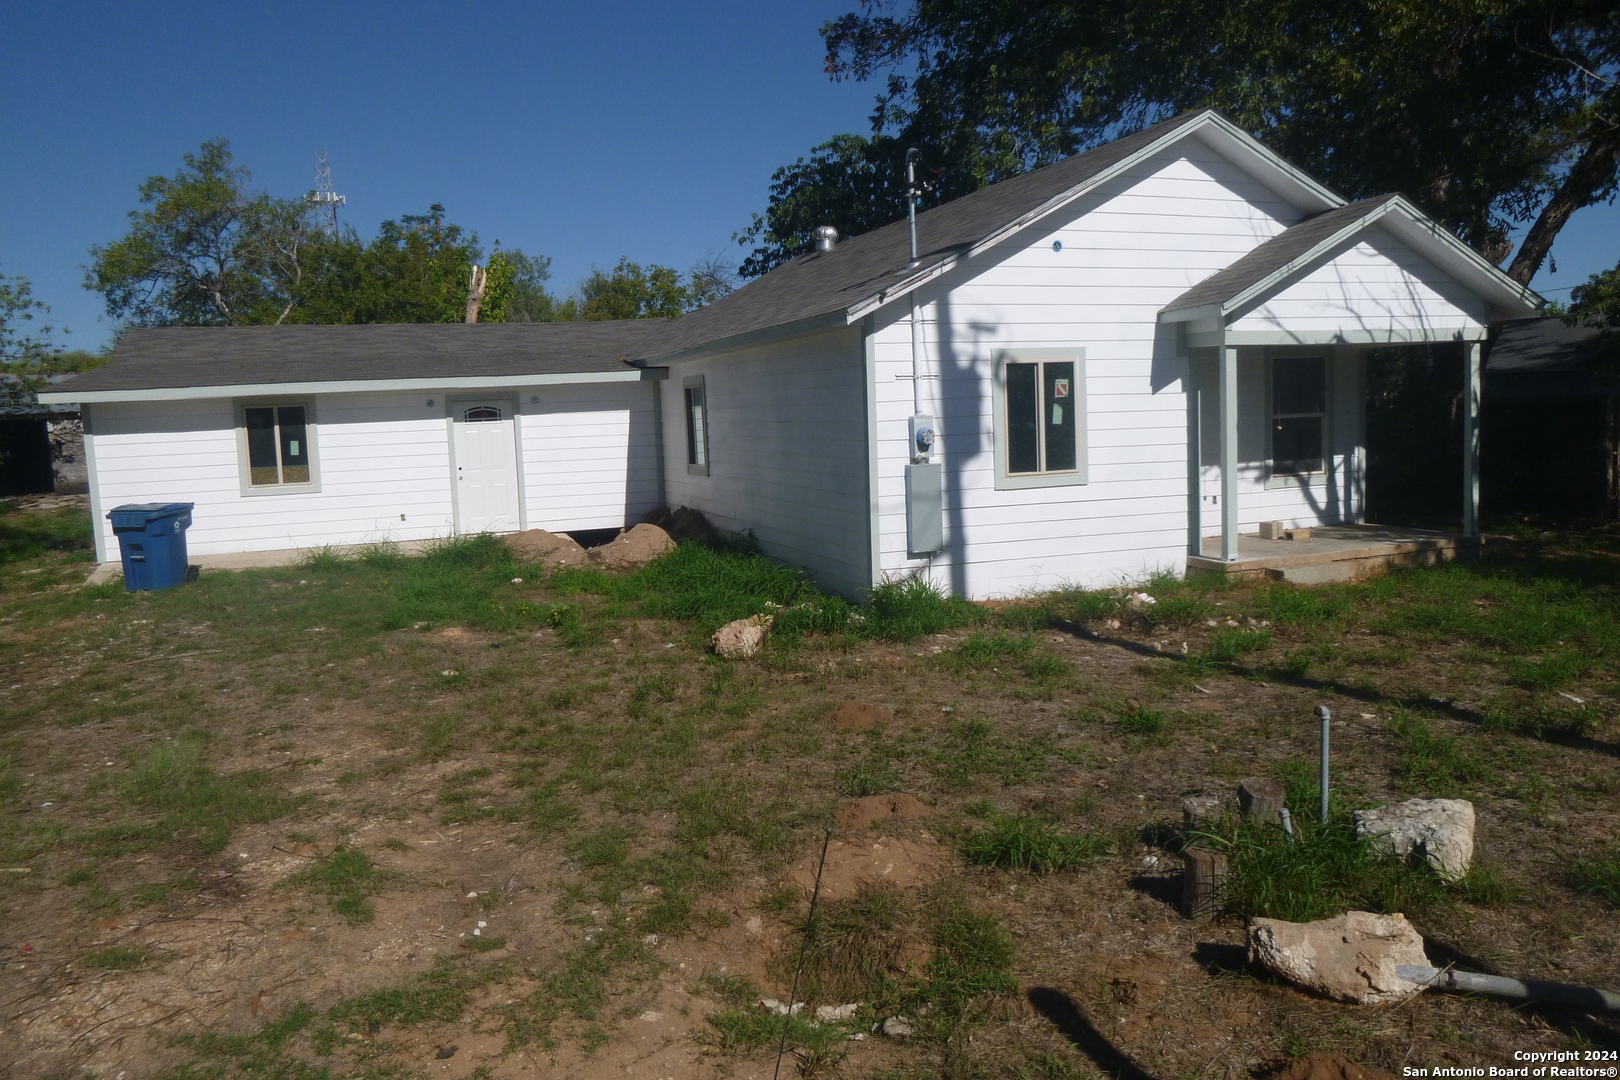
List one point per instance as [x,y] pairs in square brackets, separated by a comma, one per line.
[323,198]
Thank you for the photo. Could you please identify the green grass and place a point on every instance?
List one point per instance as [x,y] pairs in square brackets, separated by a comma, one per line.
[1328,871]
[117,958]
[174,780]
[1227,646]
[1141,721]
[1022,842]
[30,536]
[347,878]
[872,774]
[986,648]
[1599,876]
[1436,766]
[1297,605]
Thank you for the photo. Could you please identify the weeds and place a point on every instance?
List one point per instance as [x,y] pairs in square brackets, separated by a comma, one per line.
[1137,720]
[346,877]
[1227,646]
[1022,842]
[117,958]
[173,779]
[1599,876]
[1436,765]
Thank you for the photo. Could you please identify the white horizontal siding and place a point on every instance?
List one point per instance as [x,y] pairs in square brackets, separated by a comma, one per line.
[1379,284]
[590,455]
[787,451]
[379,456]
[589,458]
[1127,251]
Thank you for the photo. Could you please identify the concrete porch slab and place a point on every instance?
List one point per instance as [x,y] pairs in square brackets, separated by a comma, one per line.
[1334,553]
[260,560]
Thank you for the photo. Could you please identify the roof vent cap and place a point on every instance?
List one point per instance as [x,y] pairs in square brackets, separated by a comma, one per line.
[826,236]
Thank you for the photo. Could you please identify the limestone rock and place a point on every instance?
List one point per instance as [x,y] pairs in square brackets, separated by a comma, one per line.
[896,1027]
[547,548]
[633,548]
[741,639]
[1350,958]
[1441,830]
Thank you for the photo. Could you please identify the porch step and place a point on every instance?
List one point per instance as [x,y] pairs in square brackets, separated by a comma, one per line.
[1333,553]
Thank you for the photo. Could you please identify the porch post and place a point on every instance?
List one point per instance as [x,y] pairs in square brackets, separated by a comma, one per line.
[1195,461]
[1229,453]
[1470,425]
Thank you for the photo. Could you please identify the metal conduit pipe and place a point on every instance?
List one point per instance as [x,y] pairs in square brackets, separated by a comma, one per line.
[1586,998]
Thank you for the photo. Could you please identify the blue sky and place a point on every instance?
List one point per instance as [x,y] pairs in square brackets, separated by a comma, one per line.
[579,131]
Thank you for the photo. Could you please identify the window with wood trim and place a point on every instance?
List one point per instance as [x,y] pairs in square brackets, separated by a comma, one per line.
[1298,415]
[278,449]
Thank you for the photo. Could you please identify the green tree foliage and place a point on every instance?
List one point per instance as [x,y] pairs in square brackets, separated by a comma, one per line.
[205,250]
[1487,112]
[416,270]
[1597,302]
[525,298]
[27,355]
[632,291]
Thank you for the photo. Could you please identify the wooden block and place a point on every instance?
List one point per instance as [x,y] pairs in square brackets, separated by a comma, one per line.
[1202,881]
[1262,800]
[1200,812]
[1297,534]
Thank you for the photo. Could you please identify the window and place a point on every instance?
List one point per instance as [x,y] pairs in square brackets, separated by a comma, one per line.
[481,414]
[1298,416]
[697,427]
[1041,419]
[277,446]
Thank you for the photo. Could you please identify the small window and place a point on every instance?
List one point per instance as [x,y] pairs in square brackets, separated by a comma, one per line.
[1298,416]
[278,447]
[697,427]
[1042,418]
[481,414]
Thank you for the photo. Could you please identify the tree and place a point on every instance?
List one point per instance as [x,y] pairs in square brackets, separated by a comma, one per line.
[27,356]
[634,292]
[527,299]
[206,251]
[1487,112]
[1597,302]
[415,270]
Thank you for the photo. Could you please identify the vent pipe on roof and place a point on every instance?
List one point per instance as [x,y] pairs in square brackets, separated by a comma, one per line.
[825,236]
[911,197]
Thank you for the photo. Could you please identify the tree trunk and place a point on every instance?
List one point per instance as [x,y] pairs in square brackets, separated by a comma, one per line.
[1592,175]
[475,292]
[1202,882]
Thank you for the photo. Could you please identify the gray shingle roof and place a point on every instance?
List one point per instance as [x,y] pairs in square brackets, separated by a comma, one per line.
[163,357]
[822,283]
[1547,344]
[1275,254]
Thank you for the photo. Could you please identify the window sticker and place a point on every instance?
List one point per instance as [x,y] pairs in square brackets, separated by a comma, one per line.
[1060,388]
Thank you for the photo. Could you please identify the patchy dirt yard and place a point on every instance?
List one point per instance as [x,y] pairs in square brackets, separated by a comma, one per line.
[444,818]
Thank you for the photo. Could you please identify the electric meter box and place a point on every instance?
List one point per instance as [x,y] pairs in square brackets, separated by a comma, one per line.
[925,508]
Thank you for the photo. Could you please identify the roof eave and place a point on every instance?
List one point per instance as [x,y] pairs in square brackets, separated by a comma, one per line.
[448,384]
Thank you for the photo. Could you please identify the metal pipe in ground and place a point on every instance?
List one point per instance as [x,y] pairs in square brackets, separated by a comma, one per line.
[1585,998]
[1326,717]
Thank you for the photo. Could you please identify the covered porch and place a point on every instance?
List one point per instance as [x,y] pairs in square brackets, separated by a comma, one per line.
[1275,346]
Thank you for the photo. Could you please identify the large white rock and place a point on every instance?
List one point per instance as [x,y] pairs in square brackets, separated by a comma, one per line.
[741,639]
[1349,958]
[1441,830]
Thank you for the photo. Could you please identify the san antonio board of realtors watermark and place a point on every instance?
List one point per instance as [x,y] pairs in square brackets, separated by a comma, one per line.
[1548,1064]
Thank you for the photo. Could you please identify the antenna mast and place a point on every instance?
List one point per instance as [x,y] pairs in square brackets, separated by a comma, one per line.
[323,198]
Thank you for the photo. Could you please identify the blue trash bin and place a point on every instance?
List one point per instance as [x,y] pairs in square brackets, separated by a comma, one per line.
[152,543]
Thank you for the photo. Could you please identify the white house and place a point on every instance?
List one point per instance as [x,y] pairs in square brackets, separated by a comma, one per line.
[1118,355]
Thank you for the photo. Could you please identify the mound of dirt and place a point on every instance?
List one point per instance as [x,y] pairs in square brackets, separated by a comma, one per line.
[863,813]
[549,548]
[1320,1066]
[633,548]
[859,716]
[684,523]
[851,864]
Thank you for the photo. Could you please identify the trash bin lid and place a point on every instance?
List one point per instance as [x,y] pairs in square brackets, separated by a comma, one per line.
[136,514]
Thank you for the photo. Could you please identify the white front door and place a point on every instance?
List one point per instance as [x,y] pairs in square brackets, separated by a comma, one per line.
[486,476]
